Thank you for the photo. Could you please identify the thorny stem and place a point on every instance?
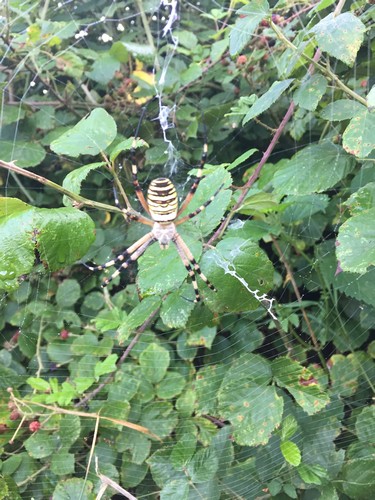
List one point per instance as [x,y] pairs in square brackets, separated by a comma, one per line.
[255,175]
[126,353]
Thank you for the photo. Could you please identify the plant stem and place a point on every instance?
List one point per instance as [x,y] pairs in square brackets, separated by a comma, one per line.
[246,187]
[76,197]
[146,27]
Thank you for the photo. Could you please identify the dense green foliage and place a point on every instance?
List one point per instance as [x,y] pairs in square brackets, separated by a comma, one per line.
[262,390]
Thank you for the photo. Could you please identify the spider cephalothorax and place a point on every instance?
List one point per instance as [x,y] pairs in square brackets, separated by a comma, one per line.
[162,206]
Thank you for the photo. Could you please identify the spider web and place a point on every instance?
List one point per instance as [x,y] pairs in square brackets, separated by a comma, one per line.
[178,155]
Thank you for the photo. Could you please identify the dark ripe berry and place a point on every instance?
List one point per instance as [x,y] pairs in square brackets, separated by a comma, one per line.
[64,334]
[34,426]
[264,23]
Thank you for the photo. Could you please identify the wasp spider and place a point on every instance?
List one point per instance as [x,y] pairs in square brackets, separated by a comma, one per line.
[161,204]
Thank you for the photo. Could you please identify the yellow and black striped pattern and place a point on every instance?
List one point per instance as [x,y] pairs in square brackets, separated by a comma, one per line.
[162,200]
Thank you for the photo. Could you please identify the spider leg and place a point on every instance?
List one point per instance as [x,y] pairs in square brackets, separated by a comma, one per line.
[197,180]
[201,208]
[137,187]
[190,270]
[132,215]
[129,255]
[133,257]
[188,259]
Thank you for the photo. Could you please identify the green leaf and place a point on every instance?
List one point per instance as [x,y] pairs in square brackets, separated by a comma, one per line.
[289,428]
[362,200]
[237,267]
[68,293]
[192,73]
[359,136]
[267,99]
[300,382]
[253,410]
[344,375]
[358,478]
[90,136]
[11,114]
[208,220]
[365,425]
[203,337]
[342,109]
[154,361]
[313,169]
[340,36]
[312,474]
[104,69]
[71,489]
[248,19]
[74,179]
[178,488]
[207,384]
[291,452]
[159,417]
[38,384]
[245,156]
[61,236]
[62,463]
[243,384]
[40,445]
[126,145]
[137,317]
[25,154]
[203,465]
[356,243]
[175,310]
[69,431]
[70,64]
[311,91]
[183,450]
[106,366]
[171,386]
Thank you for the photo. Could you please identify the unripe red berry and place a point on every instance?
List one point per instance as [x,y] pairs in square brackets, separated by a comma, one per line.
[64,334]
[34,426]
